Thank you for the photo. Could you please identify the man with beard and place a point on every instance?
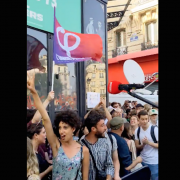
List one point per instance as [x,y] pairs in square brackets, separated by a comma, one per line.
[126,106]
[96,142]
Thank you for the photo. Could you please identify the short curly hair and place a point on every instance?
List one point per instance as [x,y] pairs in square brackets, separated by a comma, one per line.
[69,117]
[93,118]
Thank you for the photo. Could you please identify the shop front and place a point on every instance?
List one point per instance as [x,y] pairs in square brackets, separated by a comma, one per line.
[147,59]
[69,79]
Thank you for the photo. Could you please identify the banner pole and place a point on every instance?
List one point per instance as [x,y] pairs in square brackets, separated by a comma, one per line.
[52,76]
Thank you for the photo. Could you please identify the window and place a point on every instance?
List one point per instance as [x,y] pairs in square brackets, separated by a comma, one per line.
[151,33]
[101,83]
[102,91]
[92,83]
[101,75]
[37,61]
[93,75]
[121,38]
[65,88]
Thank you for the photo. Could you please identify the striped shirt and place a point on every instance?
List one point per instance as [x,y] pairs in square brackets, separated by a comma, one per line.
[102,155]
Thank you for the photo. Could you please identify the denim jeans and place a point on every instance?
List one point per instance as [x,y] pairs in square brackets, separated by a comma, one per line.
[154,170]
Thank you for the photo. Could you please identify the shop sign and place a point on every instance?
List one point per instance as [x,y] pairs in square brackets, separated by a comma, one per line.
[40,14]
[133,37]
[149,78]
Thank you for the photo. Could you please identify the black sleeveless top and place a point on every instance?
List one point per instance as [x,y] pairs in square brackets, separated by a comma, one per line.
[43,165]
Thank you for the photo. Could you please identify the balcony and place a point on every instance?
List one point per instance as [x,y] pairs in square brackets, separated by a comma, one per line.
[148,45]
[119,51]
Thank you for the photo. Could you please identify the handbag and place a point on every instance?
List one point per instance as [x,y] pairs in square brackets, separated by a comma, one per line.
[139,165]
[100,175]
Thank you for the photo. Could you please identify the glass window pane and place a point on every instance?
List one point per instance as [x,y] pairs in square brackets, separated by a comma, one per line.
[65,87]
[37,62]
[93,68]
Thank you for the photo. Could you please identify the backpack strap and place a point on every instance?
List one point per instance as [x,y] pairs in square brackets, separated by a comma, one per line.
[152,134]
[90,154]
[110,137]
[138,132]
[81,164]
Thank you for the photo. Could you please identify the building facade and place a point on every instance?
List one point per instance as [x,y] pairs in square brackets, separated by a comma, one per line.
[138,32]
[135,38]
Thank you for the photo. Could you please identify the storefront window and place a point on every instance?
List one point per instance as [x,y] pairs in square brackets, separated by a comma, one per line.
[37,62]
[65,87]
[94,23]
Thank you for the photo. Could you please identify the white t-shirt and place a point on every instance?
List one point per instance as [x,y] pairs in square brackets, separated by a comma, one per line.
[149,154]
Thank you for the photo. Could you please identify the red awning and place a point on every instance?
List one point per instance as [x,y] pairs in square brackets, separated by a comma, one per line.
[134,55]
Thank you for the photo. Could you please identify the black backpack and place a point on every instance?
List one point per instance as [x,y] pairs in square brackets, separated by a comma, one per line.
[152,134]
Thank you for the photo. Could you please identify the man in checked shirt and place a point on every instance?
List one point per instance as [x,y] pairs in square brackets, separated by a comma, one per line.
[98,145]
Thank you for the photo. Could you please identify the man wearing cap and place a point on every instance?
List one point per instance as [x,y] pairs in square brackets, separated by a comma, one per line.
[153,113]
[117,127]
[139,107]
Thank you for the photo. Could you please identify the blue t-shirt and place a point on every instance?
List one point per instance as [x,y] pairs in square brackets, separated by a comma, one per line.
[123,154]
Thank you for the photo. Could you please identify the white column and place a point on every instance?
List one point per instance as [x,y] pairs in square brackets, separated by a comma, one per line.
[122,38]
[152,33]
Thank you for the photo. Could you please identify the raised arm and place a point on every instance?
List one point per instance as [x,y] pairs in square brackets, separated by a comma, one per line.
[46,120]
[108,115]
[37,116]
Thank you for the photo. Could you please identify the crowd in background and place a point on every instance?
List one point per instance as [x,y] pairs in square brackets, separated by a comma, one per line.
[110,143]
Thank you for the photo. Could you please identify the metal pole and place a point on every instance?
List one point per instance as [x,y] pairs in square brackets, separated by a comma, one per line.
[142,99]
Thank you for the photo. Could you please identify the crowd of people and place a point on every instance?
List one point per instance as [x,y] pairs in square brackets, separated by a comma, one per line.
[108,144]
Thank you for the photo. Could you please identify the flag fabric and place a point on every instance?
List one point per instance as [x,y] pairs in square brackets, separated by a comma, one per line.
[75,47]
[34,47]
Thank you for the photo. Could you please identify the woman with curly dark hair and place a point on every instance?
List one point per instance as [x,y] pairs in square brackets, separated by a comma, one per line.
[69,157]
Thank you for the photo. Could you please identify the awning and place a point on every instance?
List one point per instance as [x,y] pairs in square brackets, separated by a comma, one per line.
[133,56]
[118,11]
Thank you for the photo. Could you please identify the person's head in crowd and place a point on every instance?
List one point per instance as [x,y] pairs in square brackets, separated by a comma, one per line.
[126,104]
[132,104]
[134,121]
[135,103]
[83,131]
[66,123]
[143,119]
[30,114]
[133,112]
[128,112]
[117,125]
[115,112]
[116,105]
[127,131]
[147,107]
[139,107]
[37,133]
[95,123]
[32,162]
[124,115]
[153,113]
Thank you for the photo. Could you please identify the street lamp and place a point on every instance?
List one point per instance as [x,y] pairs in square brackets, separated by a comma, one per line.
[88,82]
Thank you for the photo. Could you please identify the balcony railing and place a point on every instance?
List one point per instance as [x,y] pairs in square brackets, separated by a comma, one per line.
[119,51]
[148,45]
